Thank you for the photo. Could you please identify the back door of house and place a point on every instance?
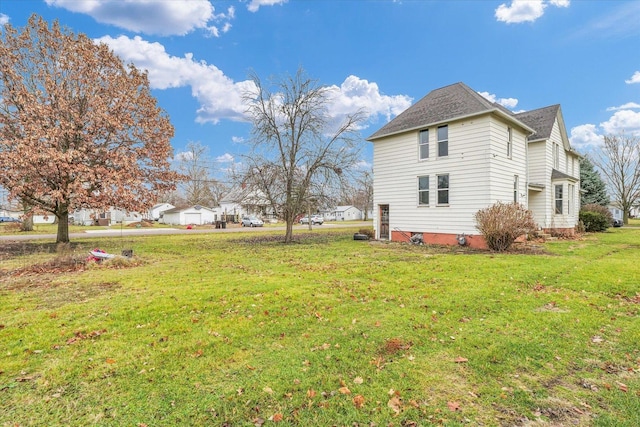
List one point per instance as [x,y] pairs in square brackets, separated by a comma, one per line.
[384,222]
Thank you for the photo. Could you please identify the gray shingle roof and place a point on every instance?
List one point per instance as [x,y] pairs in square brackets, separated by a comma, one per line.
[541,120]
[439,105]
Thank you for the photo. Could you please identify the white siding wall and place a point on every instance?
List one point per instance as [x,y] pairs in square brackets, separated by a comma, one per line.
[479,175]
[541,164]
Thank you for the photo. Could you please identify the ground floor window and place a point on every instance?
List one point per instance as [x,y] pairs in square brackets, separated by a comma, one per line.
[558,199]
[443,189]
[572,191]
[423,190]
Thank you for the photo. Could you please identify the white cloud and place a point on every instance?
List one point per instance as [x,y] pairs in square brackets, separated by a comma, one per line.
[219,97]
[634,79]
[183,156]
[359,94]
[225,158]
[589,135]
[160,17]
[237,139]
[525,10]
[254,5]
[627,106]
[585,136]
[3,19]
[622,121]
[505,102]
[363,164]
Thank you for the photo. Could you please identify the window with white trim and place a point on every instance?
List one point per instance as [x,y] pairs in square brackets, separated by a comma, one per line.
[509,142]
[423,144]
[556,156]
[443,189]
[423,190]
[443,141]
[558,199]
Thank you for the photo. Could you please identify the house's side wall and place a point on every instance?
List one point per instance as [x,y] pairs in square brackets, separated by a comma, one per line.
[504,168]
[542,161]
[480,174]
[539,174]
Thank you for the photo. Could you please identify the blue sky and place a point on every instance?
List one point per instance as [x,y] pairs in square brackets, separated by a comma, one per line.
[381,55]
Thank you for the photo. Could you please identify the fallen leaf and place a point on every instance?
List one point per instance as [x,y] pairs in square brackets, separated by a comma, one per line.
[358,380]
[395,404]
[311,393]
[358,401]
[268,390]
[110,361]
[344,390]
[453,406]
[277,417]
[460,360]
[622,387]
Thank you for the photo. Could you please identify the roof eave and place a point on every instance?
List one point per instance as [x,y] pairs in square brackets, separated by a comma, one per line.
[467,116]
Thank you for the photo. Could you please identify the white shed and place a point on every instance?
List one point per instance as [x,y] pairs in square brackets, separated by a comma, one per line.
[197,215]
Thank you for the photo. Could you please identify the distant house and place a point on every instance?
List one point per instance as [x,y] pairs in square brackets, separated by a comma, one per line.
[454,152]
[198,215]
[104,216]
[156,211]
[616,212]
[348,213]
[242,200]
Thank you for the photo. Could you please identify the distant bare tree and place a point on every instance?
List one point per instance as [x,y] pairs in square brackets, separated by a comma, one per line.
[619,161]
[296,145]
[359,192]
[199,187]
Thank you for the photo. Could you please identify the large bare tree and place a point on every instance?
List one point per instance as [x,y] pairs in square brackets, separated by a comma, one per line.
[78,129]
[297,145]
[619,161]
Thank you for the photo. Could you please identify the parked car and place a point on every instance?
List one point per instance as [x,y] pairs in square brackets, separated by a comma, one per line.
[315,220]
[9,219]
[251,221]
[617,223]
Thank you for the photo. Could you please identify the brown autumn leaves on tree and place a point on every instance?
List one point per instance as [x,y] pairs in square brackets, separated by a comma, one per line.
[78,129]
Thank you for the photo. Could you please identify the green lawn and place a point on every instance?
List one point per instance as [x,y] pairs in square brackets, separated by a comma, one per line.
[241,330]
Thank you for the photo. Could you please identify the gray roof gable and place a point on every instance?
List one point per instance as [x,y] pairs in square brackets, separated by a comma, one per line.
[541,120]
[439,106]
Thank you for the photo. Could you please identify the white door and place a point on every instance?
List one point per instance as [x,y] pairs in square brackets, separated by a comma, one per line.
[192,218]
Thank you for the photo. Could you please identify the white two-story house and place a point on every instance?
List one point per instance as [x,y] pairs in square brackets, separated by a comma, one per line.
[454,152]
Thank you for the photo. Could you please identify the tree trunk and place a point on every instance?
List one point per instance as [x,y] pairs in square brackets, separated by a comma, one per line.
[63,227]
[27,224]
[288,235]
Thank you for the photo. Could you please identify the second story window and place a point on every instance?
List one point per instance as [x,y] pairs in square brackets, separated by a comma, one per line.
[423,144]
[443,141]
[509,142]
[556,156]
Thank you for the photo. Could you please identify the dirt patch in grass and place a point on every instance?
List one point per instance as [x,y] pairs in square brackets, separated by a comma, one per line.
[297,238]
[52,295]
[13,249]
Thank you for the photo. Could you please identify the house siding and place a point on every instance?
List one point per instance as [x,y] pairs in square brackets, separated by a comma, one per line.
[480,174]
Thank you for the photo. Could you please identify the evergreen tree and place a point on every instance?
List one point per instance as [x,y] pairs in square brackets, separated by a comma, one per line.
[593,189]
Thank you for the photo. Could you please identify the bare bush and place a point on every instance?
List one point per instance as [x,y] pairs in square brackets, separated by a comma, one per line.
[502,223]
